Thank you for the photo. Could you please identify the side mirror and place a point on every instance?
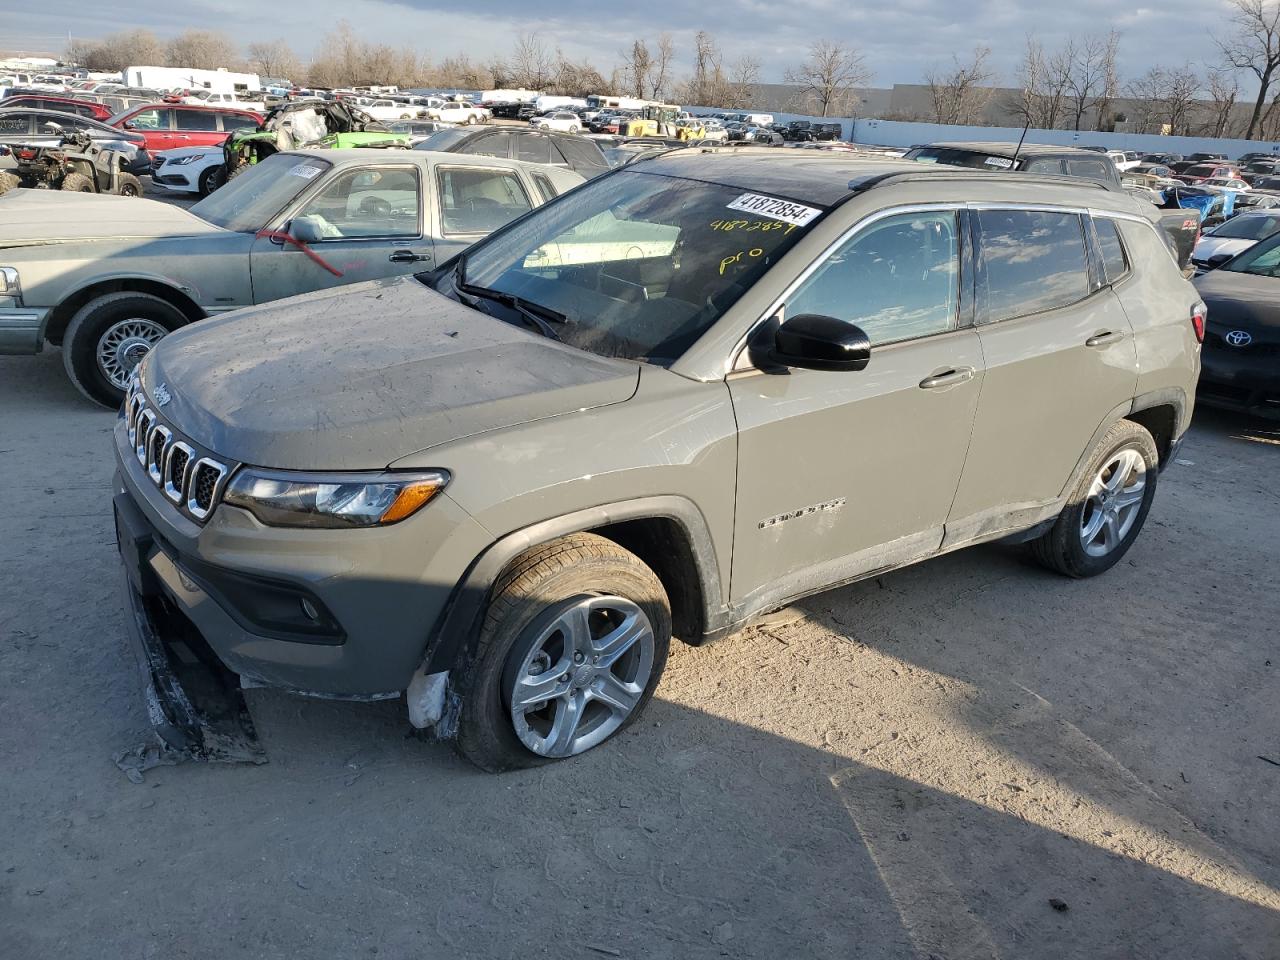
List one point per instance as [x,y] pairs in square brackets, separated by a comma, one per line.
[305,230]
[52,126]
[128,125]
[815,342]
[1218,259]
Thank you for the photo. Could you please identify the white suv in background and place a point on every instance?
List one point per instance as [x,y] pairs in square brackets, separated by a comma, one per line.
[562,120]
[458,112]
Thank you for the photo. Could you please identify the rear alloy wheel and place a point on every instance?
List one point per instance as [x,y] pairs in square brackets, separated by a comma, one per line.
[109,336]
[573,645]
[1106,511]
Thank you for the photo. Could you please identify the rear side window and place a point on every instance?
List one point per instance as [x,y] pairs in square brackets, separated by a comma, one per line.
[1031,261]
[1044,166]
[533,149]
[1091,169]
[493,145]
[474,200]
[238,121]
[201,120]
[580,154]
[1112,250]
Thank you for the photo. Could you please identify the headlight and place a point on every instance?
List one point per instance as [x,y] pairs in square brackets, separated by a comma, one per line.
[9,286]
[285,499]
[183,161]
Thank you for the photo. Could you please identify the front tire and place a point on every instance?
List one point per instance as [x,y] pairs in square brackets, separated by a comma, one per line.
[573,645]
[127,185]
[211,180]
[107,338]
[1106,511]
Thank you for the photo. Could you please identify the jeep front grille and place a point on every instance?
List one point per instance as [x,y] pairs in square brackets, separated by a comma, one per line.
[191,481]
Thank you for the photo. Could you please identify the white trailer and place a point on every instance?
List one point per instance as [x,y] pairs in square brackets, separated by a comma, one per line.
[509,96]
[185,78]
[543,104]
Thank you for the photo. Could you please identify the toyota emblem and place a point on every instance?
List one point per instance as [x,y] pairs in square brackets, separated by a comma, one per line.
[1239,338]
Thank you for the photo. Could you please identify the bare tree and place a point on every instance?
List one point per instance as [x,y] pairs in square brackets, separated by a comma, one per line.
[460,73]
[660,74]
[344,59]
[117,51]
[1165,99]
[1224,91]
[1091,77]
[707,86]
[274,58]
[744,75]
[637,67]
[530,62]
[201,50]
[1043,79]
[959,95]
[828,78]
[569,79]
[1255,46]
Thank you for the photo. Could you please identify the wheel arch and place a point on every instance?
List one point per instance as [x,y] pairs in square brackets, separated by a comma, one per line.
[60,316]
[1162,412]
[669,533]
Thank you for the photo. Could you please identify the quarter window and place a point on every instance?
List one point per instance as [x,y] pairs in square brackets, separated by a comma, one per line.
[479,201]
[367,202]
[1032,261]
[1111,248]
[544,187]
[898,279]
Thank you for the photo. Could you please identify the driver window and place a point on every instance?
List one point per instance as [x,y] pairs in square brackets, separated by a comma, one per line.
[897,280]
[368,202]
[475,200]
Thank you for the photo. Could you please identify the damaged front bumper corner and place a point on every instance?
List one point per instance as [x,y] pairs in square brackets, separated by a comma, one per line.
[194,703]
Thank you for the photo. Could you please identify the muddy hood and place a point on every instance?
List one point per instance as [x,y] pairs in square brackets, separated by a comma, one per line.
[29,217]
[359,377]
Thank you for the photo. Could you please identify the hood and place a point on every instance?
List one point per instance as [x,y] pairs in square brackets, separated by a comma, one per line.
[358,377]
[1240,299]
[32,217]
[190,151]
[1212,246]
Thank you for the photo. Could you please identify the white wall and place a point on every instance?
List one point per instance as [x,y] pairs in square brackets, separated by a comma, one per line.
[892,133]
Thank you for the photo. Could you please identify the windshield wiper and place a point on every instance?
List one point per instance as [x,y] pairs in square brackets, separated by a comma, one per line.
[535,315]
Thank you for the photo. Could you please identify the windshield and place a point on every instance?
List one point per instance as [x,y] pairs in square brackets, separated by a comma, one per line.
[639,265]
[1261,260]
[959,158]
[1247,228]
[249,201]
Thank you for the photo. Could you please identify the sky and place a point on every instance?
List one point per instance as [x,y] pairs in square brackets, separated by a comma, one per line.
[900,39]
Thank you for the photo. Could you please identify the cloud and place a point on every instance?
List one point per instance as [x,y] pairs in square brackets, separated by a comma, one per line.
[900,40]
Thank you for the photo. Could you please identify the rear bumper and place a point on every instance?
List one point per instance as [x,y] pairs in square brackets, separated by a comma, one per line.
[21,330]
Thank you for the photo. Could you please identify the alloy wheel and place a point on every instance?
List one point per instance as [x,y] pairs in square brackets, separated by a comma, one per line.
[581,676]
[123,346]
[1113,502]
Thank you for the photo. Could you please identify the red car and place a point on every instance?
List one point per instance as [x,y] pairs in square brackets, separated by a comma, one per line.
[167,126]
[81,108]
[1207,171]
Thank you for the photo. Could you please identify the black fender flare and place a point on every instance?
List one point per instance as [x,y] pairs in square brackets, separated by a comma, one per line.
[458,625]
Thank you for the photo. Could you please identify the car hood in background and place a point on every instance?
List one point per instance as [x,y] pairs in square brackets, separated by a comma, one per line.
[1212,246]
[359,377]
[32,217]
[1236,299]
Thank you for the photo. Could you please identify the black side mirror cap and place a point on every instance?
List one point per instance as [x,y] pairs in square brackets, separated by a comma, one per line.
[1218,259]
[812,341]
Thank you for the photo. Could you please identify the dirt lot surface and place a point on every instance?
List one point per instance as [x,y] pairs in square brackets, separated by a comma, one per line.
[968,759]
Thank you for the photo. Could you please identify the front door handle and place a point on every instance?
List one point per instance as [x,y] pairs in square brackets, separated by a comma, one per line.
[948,378]
[407,256]
[1104,338]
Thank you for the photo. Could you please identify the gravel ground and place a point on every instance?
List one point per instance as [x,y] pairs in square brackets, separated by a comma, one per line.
[967,759]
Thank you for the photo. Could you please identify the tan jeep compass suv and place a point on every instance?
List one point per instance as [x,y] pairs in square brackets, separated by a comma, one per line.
[678,397]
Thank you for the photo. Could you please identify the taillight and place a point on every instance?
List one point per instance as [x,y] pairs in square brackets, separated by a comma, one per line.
[1198,313]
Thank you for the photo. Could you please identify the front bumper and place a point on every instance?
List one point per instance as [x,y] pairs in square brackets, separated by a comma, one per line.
[384,589]
[22,330]
[173,181]
[1246,379]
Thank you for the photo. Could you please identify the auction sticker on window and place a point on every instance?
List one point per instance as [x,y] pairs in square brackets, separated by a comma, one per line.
[1004,163]
[305,171]
[787,211]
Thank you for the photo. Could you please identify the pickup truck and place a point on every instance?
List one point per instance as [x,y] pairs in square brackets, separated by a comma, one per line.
[108,277]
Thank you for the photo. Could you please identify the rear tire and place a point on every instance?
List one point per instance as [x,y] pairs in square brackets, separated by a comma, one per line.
[1108,507]
[616,596]
[77,183]
[125,326]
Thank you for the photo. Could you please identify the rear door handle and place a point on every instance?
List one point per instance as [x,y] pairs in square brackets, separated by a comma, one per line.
[407,256]
[948,378]
[1104,338]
